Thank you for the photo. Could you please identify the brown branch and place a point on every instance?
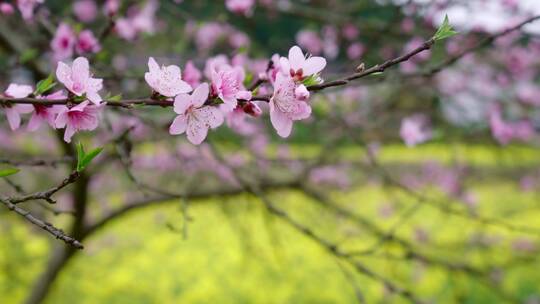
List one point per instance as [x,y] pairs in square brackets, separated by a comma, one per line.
[483,43]
[46,195]
[375,69]
[57,233]
[36,162]
[128,103]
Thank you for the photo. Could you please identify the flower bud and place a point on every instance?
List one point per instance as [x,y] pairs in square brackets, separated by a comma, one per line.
[252,109]
[301,92]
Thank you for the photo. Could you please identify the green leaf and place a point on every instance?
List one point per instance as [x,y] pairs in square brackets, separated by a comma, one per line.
[89,157]
[445,30]
[8,172]
[80,156]
[43,86]
[83,159]
[115,98]
[312,80]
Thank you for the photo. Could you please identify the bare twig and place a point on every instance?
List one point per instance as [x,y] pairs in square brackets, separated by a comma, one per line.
[57,233]
[46,195]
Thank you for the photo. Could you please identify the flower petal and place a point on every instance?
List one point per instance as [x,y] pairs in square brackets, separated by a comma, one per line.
[313,65]
[296,58]
[211,116]
[200,94]
[34,123]
[196,131]
[80,70]
[14,118]
[280,121]
[179,125]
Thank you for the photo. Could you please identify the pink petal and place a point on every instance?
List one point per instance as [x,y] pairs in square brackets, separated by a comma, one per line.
[285,65]
[68,134]
[196,131]
[153,66]
[24,108]
[211,116]
[80,70]
[296,58]
[313,65]
[183,87]
[80,107]
[34,123]
[19,90]
[61,119]
[181,103]
[94,97]
[200,95]
[13,117]
[63,74]
[173,72]
[179,125]
[280,121]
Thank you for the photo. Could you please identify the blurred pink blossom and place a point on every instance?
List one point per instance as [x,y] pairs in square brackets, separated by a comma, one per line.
[241,7]
[415,130]
[85,10]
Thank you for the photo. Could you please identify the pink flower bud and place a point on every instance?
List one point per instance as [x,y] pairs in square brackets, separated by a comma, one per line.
[301,93]
[252,109]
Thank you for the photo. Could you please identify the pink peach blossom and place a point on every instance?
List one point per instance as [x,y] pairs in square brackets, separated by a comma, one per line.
[415,130]
[27,8]
[45,113]
[166,80]
[285,106]
[87,43]
[6,9]
[192,75]
[85,10]
[227,85]
[194,117]
[299,66]
[63,42]
[81,117]
[111,7]
[310,40]
[13,112]
[242,7]
[78,79]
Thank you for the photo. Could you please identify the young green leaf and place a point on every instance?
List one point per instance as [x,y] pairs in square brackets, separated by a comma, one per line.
[87,159]
[8,172]
[43,86]
[84,159]
[311,80]
[115,98]
[445,30]
[80,156]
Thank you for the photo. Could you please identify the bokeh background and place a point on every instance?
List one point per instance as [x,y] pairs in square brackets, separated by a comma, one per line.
[348,209]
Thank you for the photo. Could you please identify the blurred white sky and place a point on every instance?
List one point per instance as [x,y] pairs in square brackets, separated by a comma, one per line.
[491,14]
